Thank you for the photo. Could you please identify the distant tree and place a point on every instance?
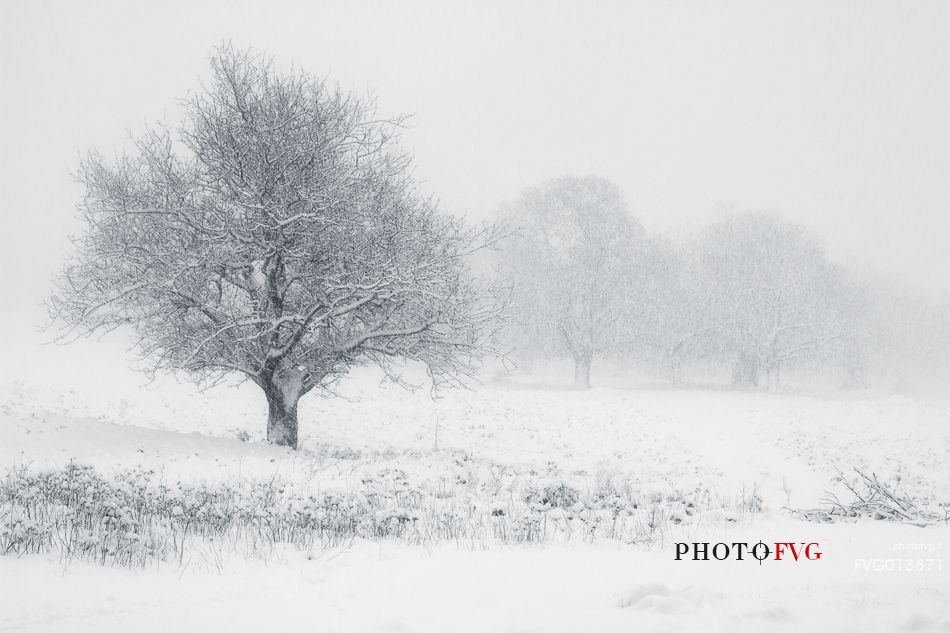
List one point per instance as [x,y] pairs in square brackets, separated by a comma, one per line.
[277,235]
[905,333]
[572,265]
[774,292]
[677,314]
[859,319]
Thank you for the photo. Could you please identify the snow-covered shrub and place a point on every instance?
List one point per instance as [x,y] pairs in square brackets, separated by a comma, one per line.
[553,495]
[135,517]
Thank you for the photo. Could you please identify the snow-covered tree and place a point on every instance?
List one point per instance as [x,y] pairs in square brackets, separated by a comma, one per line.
[902,333]
[277,234]
[774,293]
[572,263]
[677,312]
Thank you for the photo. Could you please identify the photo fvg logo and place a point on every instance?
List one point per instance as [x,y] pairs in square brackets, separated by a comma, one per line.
[778,550]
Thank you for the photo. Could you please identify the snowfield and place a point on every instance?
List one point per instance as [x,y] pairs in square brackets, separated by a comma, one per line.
[718,466]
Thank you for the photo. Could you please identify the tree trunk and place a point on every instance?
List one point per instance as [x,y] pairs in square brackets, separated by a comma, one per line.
[281,419]
[582,370]
[774,373]
[674,367]
[745,371]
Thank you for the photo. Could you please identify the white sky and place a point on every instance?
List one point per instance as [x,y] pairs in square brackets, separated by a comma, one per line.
[833,114]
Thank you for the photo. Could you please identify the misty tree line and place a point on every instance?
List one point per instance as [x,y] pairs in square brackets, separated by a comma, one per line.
[750,295]
[277,234]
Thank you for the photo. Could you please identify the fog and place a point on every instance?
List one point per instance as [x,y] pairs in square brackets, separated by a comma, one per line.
[833,117]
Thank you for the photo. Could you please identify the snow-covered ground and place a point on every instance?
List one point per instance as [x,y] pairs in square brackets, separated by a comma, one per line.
[783,450]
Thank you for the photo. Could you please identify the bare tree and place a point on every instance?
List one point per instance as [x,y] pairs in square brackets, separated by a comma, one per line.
[902,332]
[571,262]
[677,312]
[277,235]
[860,322]
[774,292]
